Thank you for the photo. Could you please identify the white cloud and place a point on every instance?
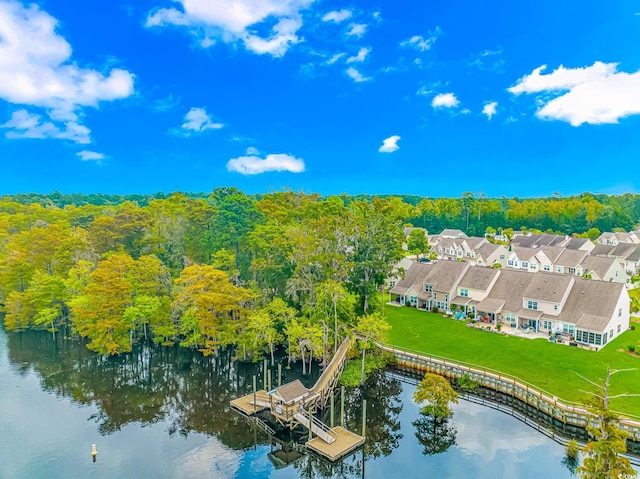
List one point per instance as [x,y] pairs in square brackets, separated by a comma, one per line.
[36,70]
[252,150]
[594,94]
[389,145]
[337,16]
[419,43]
[357,30]
[335,58]
[444,100]
[237,21]
[254,165]
[489,109]
[198,120]
[29,125]
[360,57]
[90,156]
[356,76]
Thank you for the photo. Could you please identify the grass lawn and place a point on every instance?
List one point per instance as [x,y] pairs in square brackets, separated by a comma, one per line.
[547,366]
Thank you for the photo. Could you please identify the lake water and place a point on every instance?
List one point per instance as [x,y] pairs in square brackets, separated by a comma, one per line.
[164,413]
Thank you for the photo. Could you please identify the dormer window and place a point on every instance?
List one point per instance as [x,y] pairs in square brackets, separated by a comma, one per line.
[532,305]
[555,307]
[464,293]
[428,288]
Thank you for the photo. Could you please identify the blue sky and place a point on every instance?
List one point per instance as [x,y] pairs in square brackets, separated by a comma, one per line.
[417,97]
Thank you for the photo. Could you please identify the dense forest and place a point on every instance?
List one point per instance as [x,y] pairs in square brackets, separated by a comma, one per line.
[283,268]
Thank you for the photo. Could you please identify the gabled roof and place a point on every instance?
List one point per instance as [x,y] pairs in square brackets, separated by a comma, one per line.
[548,287]
[524,254]
[602,250]
[538,240]
[474,241]
[576,243]
[290,391]
[451,233]
[444,275]
[635,255]
[487,249]
[552,252]
[479,278]
[570,258]
[595,298]
[413,276]
[510,287]
[598,264]
[622,250]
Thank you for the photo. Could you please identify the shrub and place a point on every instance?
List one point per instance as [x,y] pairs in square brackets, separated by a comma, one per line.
[631,348]
[466,383]
[632,327]
[434,309]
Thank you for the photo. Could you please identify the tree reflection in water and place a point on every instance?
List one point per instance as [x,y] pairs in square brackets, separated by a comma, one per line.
[191,393]
[435,434]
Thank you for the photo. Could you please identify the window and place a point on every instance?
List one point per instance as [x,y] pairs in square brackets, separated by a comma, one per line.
[547,325]
[619,312]
[572,271]
[501,256]
[392,283]
[598,339]
[611,333]
[459,253]
[525,264]
[555,307]
[435,295]
[510,262]
[604,338]
[559,269]
[469,254]
[428,288]
[413,300]
[532,305]
[515,263]
[511,319]
[446,297]
[533,266]
[618,328]
[568,328]
[546,267]
[464,293]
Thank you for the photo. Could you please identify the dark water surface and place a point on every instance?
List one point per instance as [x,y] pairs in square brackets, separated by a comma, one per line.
[164,413]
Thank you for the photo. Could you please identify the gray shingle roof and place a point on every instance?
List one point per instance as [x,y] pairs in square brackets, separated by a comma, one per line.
[595,298]
[510,287]
[548,287]
[413,276]
[570,258]
[453,233]
[576,243]
[552,252]
[524,253]
[598,264]
[292,390]
[602,250]
[478,278]
[635,255]
[490,305]
[444,275]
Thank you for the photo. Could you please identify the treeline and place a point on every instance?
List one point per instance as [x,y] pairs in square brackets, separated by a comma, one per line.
[474,213]
[289,268]
[227,268]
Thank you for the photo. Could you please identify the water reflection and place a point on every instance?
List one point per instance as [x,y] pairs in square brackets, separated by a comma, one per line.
[165,413]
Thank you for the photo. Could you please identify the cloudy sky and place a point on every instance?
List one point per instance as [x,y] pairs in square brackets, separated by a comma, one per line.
[418,97]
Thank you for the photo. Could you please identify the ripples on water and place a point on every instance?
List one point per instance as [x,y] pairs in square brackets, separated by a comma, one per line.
[164,413]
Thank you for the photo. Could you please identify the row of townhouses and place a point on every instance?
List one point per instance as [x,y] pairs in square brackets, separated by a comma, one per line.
[585,311]
[547,253]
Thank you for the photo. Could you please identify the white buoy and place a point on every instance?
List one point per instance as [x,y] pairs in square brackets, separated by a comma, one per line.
[94,452]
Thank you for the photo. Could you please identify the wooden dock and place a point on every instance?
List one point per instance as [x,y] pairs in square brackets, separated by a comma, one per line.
[345,442]
[293,404]
[246,406]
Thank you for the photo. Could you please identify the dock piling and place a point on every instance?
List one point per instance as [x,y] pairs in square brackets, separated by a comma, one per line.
[331,409]
[279,374]
[364,417]
[342,406]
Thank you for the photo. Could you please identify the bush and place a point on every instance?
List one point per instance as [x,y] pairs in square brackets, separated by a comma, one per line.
[466,383]
[352,372]
[631,348]
[632,327]
[434,309]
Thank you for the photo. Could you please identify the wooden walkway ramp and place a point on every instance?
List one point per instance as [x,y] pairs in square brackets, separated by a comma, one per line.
[292,404]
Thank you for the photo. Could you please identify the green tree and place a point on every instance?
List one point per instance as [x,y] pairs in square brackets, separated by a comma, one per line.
[417,242]
[437,393]
[372,327]
[603,455]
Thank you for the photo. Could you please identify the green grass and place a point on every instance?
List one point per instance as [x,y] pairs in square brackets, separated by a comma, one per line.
[548,366]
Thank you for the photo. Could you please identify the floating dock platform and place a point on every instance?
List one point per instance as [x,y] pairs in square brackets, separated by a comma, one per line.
[346,442]
[246,406]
